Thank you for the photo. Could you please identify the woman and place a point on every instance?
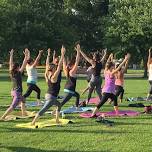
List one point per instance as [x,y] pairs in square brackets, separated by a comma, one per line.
[51,75]
[16,78]
[149,66]
[109,86]
[70,71]
[32,76]
[120,80]
[96,80]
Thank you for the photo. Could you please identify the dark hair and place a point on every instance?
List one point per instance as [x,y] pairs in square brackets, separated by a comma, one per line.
[14,69]
[69,65]
[30,61]
[52,66]
[97,56]
[109,65]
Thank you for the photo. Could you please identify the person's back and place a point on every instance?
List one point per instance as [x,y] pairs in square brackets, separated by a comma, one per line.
[32,74]
[109,86]
[119,78]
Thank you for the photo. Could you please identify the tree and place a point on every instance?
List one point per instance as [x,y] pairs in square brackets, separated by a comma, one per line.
[129,27]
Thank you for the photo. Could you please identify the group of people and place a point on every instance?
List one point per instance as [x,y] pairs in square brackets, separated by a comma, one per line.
[112,88]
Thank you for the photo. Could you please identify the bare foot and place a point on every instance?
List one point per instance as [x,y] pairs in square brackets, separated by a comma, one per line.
[24,114]
[2,119]
[58,122]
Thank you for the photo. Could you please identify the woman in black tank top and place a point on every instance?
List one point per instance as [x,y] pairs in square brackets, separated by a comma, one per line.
[96,80]
[16,78]
[70,71]
[52,75]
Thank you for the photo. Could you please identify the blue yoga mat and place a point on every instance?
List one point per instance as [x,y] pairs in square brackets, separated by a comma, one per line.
[74,110]
[33,104]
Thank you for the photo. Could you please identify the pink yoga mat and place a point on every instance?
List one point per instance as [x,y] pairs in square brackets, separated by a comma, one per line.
[128,113]
[94,100]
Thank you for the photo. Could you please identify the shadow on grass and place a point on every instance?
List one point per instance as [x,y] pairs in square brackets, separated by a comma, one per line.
[29,149]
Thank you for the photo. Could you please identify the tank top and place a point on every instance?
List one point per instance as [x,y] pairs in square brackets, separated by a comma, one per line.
[71,83]
[17,82]
[119,79]
[32,74]
[53,88]
[109,86]
[150,72]
[97,69]
[59,77]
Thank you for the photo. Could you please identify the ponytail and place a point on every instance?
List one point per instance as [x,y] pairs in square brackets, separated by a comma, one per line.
[14,69]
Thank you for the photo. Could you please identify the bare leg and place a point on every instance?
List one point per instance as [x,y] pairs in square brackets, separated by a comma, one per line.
[120,100]
[35,119]
[94,111]
[85,90]
[57,116]
[116,110]
[23,109]
[8,111]
[38,102]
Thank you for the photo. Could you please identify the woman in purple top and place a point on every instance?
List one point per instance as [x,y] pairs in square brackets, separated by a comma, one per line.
[16,78]
[109,86]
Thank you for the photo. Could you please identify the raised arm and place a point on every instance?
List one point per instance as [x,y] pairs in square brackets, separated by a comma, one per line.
[37,59]
[149,58]
[26,52]
[65,67]
[126,66]
[87,58]
[55,75]
[29,54]
[75,67]
[104,55]
[120,66]
[48,57]
[54,54]
[11,60]
[110,58]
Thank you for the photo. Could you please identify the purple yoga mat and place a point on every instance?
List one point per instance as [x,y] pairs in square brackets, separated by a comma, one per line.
[128,113]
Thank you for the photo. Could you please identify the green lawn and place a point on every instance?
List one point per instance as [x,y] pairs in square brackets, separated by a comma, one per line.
[132,134]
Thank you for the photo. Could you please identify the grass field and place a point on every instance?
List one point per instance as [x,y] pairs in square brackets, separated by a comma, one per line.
[129,134]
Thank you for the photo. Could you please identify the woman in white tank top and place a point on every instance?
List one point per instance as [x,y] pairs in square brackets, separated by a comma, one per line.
[32,76]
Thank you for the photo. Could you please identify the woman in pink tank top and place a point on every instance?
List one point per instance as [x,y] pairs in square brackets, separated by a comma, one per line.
[119,83]
[109,86]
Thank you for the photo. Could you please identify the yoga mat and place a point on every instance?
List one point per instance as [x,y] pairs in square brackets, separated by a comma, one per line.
[88,115]
[34,104]
[94,100]
[18,115]
[128,113]
[46,123]
[79,110]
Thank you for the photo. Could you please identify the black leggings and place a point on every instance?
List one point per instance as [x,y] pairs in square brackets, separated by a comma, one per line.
[96,83]
[32,87]
[119,91]
[68,96]
[105,97]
